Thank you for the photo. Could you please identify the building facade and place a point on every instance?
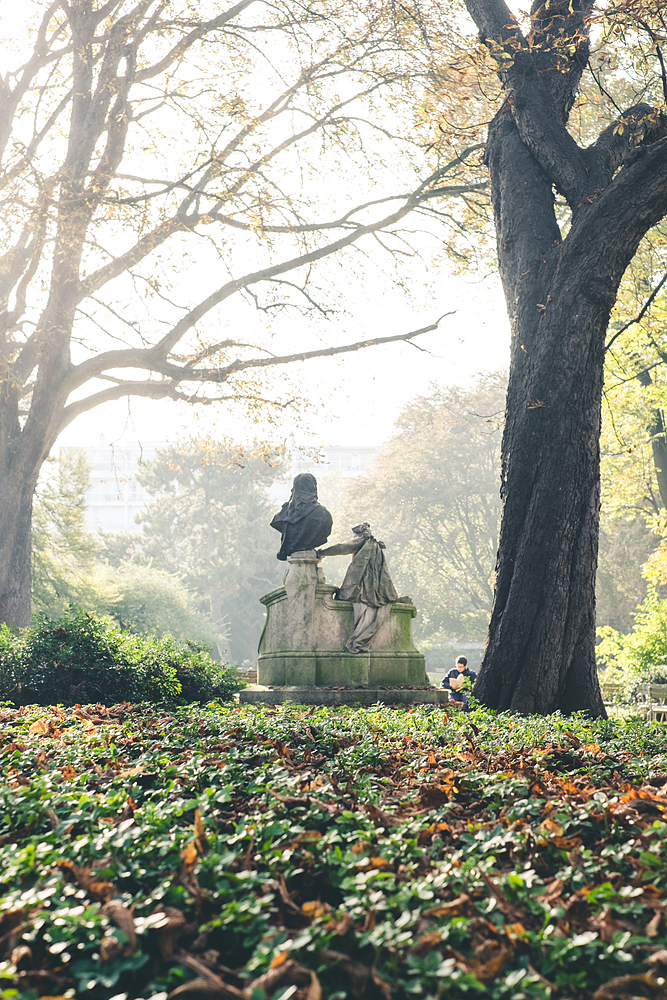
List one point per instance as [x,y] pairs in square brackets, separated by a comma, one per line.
[115,497]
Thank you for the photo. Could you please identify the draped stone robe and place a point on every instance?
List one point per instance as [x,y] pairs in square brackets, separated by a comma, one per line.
[367,584]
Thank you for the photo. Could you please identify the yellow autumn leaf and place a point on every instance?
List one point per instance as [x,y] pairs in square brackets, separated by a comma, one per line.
[314,909]
[190,854]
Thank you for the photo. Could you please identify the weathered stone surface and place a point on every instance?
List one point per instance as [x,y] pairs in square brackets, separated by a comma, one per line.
[393,660]
[300,587]
[345,696]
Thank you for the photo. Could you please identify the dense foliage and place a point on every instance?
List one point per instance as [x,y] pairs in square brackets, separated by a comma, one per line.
[642,651]
[71,566]
[79,658]
[64,550]
[375,853]
[432,496]
[208,525]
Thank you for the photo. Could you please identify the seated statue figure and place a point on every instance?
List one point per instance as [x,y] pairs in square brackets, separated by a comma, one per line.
[367,584]
[302,521]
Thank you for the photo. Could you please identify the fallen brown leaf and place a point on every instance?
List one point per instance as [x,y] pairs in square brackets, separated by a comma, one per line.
[98,890]
[653,926]
[426,943]
[625,986]
[122,918]
[487,971]
[315,988]
[342,925]
[200,840]
[462,906]
[168,930]
[202,989]
[314,909]
[288,971]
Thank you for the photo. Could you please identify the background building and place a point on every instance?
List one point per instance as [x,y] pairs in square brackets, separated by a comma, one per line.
[115,496]
[345,461]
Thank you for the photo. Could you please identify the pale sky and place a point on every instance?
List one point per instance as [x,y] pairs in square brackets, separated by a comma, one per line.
[355,399]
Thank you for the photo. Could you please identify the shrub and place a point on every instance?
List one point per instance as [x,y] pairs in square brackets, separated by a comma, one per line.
[80,658]
[642,652]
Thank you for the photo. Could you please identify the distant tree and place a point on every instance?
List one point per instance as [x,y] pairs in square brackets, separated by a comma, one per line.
[165,166]
[64,550]
[626,546]
[209,523]
[67,570]
[154,602]
[634,434]
[432,496]
[643,650]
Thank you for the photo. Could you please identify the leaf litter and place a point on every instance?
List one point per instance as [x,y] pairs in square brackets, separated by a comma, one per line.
[267,853]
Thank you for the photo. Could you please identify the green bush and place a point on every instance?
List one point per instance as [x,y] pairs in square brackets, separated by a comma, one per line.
[80,658]
[642,652]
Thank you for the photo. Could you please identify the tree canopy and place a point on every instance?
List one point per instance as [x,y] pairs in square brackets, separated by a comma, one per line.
[74,568]
[432,495]
[172,169]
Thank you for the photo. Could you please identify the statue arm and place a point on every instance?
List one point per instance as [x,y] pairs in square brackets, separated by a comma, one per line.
[342,549]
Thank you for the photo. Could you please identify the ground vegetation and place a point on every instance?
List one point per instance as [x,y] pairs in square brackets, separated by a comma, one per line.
[241,853]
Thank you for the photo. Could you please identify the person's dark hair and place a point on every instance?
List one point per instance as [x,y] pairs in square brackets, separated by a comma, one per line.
[463,660]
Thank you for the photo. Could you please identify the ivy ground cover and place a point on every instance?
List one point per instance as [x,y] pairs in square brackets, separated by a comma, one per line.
[263,854]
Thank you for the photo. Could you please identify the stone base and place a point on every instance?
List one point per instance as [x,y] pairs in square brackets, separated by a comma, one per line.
[291,655]
[324,668]
[345,696]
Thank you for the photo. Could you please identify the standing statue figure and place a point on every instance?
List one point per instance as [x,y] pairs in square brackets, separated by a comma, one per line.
[302,521]
[367,584]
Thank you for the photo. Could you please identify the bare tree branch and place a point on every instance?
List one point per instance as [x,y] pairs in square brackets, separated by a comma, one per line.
[640,315]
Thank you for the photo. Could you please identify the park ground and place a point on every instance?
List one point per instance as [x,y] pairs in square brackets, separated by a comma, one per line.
[255,852]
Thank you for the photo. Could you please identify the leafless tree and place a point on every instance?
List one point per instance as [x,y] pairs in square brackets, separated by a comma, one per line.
[159,161]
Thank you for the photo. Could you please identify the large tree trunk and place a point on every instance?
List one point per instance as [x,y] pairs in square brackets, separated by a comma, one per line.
[16,493]
[540,654]
[540,650]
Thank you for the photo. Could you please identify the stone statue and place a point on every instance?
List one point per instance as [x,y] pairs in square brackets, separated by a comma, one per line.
[367,584]
[302,521]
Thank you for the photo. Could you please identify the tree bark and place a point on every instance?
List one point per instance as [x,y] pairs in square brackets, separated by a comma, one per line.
[540,652]
[16,493]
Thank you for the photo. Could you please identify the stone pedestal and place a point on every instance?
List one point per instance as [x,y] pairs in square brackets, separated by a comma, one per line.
[305,632]
[345,696]
[299,636]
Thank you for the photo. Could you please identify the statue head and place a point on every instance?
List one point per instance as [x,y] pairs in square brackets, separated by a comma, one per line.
[363,529]
[304,485]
